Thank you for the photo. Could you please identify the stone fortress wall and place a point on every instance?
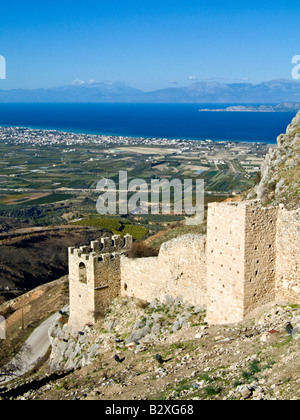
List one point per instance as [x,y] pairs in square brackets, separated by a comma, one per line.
[288,256]
[249,257]
[241,258]
[179,270]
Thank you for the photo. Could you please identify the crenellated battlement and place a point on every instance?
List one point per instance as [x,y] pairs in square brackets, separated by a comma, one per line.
[95,277]
[249,258]
[106,245]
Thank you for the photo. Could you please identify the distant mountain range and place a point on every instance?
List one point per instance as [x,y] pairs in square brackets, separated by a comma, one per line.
[275,91]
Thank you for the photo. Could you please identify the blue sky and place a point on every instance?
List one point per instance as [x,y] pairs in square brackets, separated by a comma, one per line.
[148,44]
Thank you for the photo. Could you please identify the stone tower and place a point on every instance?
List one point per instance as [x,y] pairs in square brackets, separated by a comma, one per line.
[95,278]
[241,259]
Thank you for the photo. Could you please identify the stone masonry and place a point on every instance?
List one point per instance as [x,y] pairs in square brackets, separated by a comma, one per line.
[241,258]
[288,256]
[178,271]
[95,278]
[249,258]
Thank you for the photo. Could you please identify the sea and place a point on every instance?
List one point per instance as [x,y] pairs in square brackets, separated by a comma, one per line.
[170,121]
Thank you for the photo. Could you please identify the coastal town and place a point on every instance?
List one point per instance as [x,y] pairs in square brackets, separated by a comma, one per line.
[41,137]
[47,167]
[238,156]
[49,177]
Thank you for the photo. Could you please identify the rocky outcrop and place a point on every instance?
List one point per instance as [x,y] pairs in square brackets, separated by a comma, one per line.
[129,324]
[257,359]
[280,173]
[72,349]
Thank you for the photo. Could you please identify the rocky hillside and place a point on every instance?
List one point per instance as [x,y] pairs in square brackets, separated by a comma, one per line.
[280,172]
[34,258]
[26,312]
[118,359]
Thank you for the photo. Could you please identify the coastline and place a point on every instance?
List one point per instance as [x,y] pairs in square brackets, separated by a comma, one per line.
[111,136]
[171,122]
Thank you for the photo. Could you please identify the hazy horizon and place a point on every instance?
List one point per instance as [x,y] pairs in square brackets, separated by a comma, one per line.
[93,83]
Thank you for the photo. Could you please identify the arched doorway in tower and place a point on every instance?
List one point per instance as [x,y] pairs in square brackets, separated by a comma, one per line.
[82,273]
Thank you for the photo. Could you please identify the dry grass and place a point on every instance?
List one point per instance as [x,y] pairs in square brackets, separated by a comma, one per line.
[142,250]
[26,312]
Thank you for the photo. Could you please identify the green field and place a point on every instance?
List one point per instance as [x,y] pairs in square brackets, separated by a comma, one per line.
[49,184]
[53,198]
[116,226]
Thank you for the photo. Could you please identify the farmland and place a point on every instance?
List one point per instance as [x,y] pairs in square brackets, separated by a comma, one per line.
[50,178]
[116,226]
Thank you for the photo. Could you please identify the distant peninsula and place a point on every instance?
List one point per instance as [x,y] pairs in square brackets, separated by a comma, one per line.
[283,107]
